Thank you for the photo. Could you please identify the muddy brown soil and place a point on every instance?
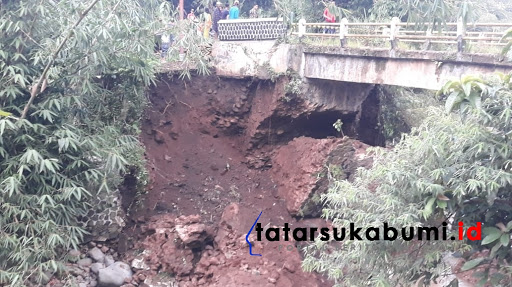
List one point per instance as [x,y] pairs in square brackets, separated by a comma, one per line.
[196,168]
[209,159]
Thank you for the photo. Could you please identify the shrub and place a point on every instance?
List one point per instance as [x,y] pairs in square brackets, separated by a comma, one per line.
[454,167]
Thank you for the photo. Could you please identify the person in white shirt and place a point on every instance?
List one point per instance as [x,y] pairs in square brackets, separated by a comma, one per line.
[166,40]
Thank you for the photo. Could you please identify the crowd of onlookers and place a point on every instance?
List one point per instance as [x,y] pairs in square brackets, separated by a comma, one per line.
[208,21]
[225,12]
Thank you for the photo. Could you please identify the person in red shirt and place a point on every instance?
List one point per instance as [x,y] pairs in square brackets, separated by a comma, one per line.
[329,16]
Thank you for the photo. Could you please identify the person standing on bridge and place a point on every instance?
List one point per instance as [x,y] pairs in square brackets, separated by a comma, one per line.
[234,11]
[225,12]
[192,15]
[207,23]
[166,38]
[329,16]
[217,16]
[254,12]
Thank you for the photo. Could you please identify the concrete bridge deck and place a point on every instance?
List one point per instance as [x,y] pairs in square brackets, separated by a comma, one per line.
[415,69]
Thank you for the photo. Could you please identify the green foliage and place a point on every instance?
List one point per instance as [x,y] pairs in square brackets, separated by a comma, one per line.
[508,37]
[469,90]
[338,124]
[385,10]
[4,114]
[294,86]
[85,64]
[311,10]
[188,41]
[427,13]
[402,108]
[453,167]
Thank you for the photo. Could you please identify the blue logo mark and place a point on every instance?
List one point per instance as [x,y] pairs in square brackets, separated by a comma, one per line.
[247,237]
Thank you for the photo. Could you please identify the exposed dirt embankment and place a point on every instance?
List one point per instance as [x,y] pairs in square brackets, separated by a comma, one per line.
[219,152]
[301,169]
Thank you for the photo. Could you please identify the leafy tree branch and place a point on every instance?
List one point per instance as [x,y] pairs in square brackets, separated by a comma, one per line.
[42,79]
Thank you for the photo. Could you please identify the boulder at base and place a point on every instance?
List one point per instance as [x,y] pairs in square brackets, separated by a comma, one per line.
[115,275]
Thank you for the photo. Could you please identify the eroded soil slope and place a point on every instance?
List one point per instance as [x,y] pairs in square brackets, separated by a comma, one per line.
[215,163]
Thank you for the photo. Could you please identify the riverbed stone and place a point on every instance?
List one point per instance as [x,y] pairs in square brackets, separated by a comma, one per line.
[109,260]
[95,267]
[115,275]
[97,254]
[86,262]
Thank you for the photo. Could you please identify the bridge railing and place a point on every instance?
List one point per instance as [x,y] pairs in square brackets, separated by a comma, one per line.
[251,29]
[395,32]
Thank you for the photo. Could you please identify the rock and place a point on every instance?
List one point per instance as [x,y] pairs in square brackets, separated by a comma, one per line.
[82,284]
[86,262]
[96,254]
[214,261]
[159,137]
[174,135]
[75,271]
[141,277]
[140,264]
[93,283]
[165,122]
[102,239]
[156,281]
[290,267]
[190,231]
[104,249]
[109,260]
[95,267]
[167,158]
[74,253]
[115,275]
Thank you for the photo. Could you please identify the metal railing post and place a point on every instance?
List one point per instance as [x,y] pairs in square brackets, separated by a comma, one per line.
[343,32]
[461,32]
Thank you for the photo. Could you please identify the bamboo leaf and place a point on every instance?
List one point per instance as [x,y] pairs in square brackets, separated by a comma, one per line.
[4,114]
[472,264]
